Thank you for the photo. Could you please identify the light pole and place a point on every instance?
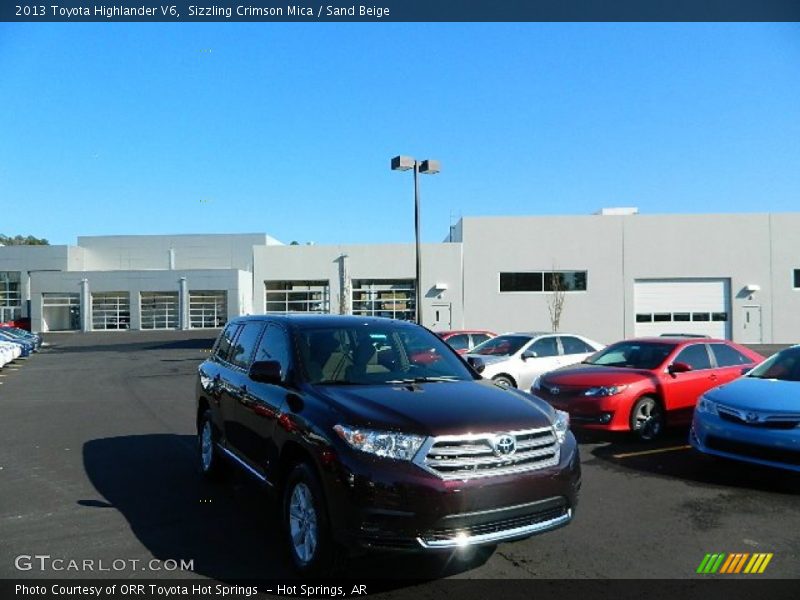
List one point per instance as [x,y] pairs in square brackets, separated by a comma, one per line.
[426,167]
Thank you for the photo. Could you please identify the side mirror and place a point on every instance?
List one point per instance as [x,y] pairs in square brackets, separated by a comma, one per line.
[679,367]
[529,354]
[266,371]
[476,363]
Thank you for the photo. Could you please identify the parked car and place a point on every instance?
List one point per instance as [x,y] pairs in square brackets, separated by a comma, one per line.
[366,447]
[755,418]
[464,340]
[26,346]
[516,359]
[24,335]
[8,352]
[642,385]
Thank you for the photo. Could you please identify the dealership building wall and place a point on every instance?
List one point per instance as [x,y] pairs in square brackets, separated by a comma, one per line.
[732,275]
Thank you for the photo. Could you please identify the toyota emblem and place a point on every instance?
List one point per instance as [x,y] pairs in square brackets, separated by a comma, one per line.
[505,445]
[555,390]
[751,417]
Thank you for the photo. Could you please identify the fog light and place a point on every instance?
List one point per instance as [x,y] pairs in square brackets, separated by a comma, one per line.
[605,418]
[461,539]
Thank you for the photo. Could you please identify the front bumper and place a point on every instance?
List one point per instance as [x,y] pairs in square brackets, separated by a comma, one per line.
[710,434]
[608,413]
[379,503]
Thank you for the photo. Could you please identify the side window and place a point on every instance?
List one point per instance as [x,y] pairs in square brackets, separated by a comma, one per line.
[479,338]
[226,341]
[274,345]
[245,344]
[696,356]
[459,342]
[573,345]
[544,347]
[728,357]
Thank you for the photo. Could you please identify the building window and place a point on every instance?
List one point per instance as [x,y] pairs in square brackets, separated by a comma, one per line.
[297,296]
[10,296]
[797,279]
[544,281]
[395,299]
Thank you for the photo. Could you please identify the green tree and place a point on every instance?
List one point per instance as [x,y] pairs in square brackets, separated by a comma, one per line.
[22,240]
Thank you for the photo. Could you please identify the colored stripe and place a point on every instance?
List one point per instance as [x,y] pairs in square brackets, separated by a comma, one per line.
[702,567]
[727,564]
[741,562]
[765,563]
[755,562]
[718,563]
[734,558]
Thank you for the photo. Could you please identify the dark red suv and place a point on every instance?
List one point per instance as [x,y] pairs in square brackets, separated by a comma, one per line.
[641,385]
[368,445]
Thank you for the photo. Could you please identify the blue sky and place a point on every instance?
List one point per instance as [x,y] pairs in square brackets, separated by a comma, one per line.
[288,128]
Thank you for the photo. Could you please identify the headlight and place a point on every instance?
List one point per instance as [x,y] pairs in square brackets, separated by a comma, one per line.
[388,444]
[605,390]
[561,425]
[707,406]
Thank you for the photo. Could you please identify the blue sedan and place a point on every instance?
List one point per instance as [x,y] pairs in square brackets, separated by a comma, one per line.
[755,418]
[26,345]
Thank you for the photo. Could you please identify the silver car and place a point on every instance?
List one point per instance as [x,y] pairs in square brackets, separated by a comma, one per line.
[516,359]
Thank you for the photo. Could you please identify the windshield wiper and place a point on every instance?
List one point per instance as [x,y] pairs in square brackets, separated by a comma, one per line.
[435,379]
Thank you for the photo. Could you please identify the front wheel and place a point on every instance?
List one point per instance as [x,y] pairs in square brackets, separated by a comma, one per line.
[647,419]
[504,380]
[305,522]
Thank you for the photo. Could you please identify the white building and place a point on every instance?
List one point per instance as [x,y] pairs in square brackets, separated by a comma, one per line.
[734,276]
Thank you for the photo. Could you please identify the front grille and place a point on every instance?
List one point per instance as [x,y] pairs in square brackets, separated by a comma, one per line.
[778,455]
[441,534]
[469,456]
[770,421]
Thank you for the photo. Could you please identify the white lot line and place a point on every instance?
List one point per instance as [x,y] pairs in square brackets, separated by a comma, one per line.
[656,451]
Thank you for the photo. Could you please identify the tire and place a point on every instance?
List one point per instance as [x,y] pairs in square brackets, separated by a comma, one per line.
[504,380]
[210,461]
[305,523]
[647,419]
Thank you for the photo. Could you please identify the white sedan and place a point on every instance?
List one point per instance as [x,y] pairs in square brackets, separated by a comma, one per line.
[8,352]
[516,359]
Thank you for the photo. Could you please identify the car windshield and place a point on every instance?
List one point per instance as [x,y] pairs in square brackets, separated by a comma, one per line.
[632,355]
[785,365]
[368,354]
[502,345]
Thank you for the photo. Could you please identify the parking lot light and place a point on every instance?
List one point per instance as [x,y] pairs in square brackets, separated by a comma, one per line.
[426,167]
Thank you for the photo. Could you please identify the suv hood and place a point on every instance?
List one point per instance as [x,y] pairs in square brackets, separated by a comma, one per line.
[594,375]
[443,408]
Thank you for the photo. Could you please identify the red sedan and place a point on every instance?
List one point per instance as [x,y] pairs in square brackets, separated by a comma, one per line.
[464,340]
[642,385]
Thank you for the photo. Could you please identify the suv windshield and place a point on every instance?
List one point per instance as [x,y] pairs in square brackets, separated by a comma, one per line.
[785,365]
[502,345]
[632,355]
[382,354]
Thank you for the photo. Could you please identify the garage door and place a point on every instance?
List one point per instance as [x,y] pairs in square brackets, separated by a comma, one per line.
[208,308]
[61,312]
[159,310]
[111,310]
[696,306]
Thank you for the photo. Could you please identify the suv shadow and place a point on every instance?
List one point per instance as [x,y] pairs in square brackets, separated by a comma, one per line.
[230,531]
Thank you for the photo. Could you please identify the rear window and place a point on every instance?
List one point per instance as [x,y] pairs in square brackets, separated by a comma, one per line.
[729,357]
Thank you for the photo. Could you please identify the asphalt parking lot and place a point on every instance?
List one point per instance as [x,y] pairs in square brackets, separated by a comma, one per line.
[97,462]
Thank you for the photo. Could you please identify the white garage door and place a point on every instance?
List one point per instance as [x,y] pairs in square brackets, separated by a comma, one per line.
[699,306]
